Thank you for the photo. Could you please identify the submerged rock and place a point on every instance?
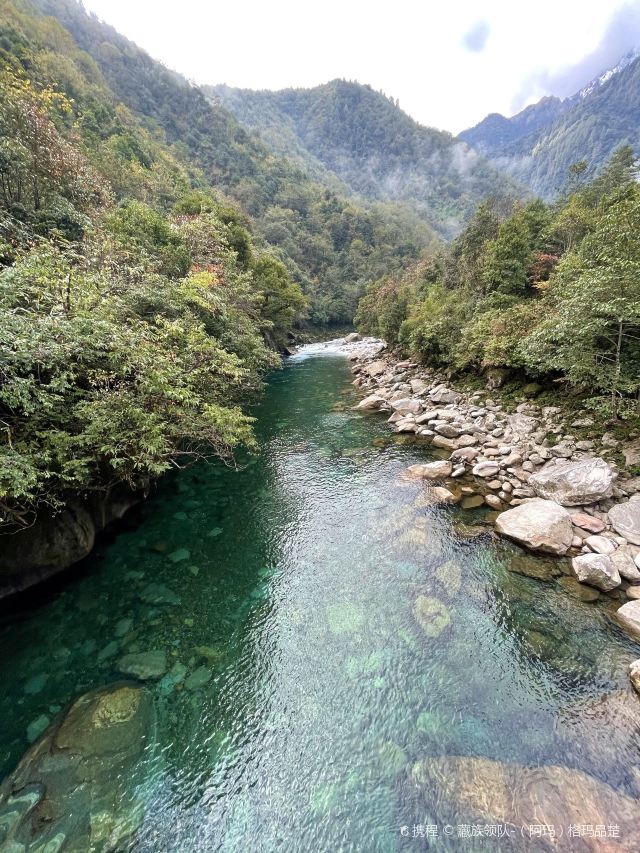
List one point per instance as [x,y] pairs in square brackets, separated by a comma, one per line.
[583,481]
[540,525]
[596,570]
[432,615]
[147,666]
[491,792]
[67,791]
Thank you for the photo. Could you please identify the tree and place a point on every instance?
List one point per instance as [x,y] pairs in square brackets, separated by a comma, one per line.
[590,330]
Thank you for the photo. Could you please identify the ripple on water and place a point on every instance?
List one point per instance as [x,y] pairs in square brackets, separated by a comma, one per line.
[302,684]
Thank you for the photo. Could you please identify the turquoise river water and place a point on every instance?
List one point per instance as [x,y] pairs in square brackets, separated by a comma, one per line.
[293,583]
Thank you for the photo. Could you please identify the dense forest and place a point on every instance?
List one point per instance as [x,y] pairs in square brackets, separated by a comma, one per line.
[138,314]
[549,291]
[538,145]
[348,130]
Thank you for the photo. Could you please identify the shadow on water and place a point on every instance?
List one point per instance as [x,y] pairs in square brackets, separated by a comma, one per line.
[326,629]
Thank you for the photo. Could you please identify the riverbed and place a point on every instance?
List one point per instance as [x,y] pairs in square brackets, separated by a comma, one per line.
[303,684]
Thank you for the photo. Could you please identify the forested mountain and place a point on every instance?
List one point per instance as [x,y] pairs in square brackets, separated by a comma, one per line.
[331,243]
[546,292]
[348,130]
[538,145]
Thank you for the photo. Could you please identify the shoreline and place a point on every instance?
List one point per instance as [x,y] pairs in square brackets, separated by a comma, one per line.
[551,497]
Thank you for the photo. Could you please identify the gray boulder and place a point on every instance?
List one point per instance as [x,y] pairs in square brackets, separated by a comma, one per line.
[431,470]
[538,525]
[574,483]
[625,519]
[596,570]
[629,617]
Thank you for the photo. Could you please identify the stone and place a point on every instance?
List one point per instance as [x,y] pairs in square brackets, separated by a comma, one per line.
[179,555]
[158,593]
[448,430]
[37,727]
[66,792]
[450,576]
[431,470]
[440,495]
[596,570]
[146,666]
[352,338]
[600,544]
[634,674]
[467,441]
[633,592]
[494,502]
[587,522]
[432,615]
[376,368]
[625,564]
[574,483]
[485,469]
[445,443]
[491,792]
[406,406]
[372,403]
[629,617]
[579,590]
[464,454]
[539,525]
[198,678]
[442,394]
[625,520]
[418,386]
[472,501]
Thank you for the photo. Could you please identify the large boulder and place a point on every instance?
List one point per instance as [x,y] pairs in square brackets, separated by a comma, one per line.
[74,788]
[539,525]
[574,483]
[408,405]
[431,470]
[442,394]
[596,570]
[625,520]
[376,368]
[629,617]
[461,790]
[372,403]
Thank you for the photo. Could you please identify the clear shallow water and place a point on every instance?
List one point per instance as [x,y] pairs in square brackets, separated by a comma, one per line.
[293,583]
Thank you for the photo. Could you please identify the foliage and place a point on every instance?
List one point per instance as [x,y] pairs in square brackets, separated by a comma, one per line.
[551,291]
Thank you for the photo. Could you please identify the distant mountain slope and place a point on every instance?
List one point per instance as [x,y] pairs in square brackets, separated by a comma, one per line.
[369,143]
[332,242]
[538,145]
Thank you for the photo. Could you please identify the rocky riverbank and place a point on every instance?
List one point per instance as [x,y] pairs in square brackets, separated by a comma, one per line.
[546,490]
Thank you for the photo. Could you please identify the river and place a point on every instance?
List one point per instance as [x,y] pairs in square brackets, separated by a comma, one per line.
[290,586]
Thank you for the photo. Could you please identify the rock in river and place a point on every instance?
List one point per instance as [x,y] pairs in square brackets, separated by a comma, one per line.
[432,615]
[147,666]
[431,470]
[476,790]
[573,483]
[539,525]
[596,570]
[625,519]
[629,617]
[67,792]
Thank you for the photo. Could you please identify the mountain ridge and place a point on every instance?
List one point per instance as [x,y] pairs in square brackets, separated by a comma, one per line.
[539,144]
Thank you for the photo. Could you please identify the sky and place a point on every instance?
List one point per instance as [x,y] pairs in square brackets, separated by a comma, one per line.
[448,63]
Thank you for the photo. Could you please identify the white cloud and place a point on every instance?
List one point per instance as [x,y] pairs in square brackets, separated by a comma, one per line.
[412,49]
